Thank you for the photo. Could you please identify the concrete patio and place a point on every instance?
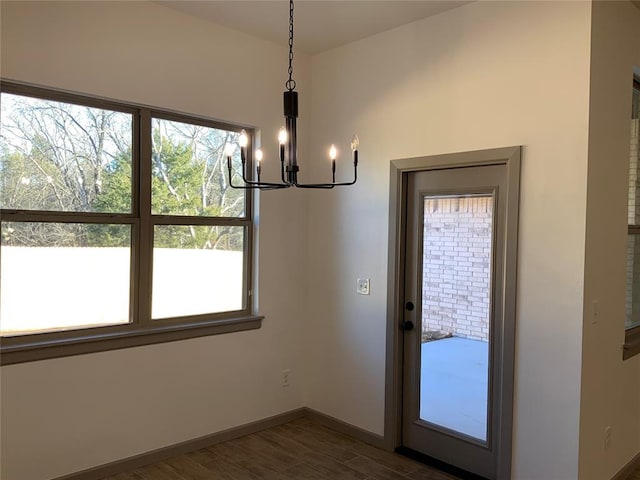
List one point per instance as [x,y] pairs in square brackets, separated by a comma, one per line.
[453,390]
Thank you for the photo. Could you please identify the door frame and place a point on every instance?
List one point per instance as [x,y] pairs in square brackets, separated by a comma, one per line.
[511,158]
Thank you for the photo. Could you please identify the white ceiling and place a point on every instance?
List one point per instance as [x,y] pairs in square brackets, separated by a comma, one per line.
[319,25]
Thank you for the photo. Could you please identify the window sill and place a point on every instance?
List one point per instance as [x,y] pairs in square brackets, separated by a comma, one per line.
[632,343]
[99,342]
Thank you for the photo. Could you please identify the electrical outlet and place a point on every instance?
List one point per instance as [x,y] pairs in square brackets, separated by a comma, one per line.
[607,438]
[363,286]
[595,312]
[285,377]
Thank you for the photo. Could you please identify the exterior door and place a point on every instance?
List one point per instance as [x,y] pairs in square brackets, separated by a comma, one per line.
[454,386]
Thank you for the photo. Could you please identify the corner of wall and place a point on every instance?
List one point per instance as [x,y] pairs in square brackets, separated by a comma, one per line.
[610,387]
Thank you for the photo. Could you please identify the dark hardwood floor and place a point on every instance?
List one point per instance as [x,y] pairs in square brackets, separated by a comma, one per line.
[300,450]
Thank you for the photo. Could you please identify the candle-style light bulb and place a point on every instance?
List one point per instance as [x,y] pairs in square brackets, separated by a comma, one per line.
[333,152]
[243,139]
[355,142]
[258,160]
[282,136]
[282,140]
[229,148]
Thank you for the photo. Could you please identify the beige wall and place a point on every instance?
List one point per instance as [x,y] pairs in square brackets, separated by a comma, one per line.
[485,75]
[61,416]
[610,387]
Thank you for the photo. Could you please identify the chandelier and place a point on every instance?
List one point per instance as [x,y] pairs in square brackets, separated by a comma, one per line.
[287,138]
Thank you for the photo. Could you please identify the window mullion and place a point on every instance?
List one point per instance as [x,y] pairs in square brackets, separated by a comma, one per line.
[200,264]
[144,247]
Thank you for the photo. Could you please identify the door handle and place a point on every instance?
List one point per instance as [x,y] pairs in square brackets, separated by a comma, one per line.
[409,306]
[407,326]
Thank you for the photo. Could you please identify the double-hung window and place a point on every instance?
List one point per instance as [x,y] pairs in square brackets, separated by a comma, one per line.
[118,226]
[632,321]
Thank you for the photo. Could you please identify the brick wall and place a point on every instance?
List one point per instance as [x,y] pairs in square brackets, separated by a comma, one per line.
[456,266]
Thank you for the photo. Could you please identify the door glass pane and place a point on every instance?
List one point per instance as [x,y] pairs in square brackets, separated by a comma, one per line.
[61,276]
[57,156]
[197,270]
[456,305]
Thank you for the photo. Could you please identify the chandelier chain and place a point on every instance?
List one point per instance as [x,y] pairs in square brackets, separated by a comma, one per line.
[287,138]
[291,83]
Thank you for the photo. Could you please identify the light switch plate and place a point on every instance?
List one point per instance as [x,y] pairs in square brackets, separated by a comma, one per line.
[363,286]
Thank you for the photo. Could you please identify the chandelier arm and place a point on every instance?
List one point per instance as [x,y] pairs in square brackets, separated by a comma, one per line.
[329,186]
[243,160]
[239,187]
[253,185]
[282,167]
[260,186]
[355,177]
[267,185]
[318,186]
[345,184]
[244,176]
